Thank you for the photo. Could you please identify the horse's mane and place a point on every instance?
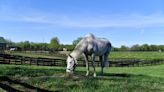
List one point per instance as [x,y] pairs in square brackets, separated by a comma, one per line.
[79,44]
[90,35]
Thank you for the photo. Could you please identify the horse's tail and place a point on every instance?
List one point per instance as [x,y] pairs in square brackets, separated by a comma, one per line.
[109,47]
[107,54]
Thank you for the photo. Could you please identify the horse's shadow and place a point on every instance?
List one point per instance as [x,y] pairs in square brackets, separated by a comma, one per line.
[8,88]
[116,75]
[99,74]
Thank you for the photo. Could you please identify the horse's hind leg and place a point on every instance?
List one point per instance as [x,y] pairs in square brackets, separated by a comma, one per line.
[102,64]
[106,62]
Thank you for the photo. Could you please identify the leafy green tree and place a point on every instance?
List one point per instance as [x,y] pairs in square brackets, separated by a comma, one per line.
[135,47]
[154,48]
[69,47]
[43,46]
[161,47]
[124,48]
[115,49]
[2,40]
[145,47]
[75,42]
[54,43]
[24,45]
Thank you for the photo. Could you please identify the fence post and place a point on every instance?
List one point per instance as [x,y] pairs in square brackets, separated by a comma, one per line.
[21,60]
[37,61]
[30,60]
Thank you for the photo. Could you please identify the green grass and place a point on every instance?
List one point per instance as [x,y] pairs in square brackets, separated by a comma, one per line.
[127,79]
[138,55]
[35,55]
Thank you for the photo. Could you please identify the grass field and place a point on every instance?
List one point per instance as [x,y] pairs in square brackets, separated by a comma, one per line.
[33,54]
[138,55]
[127,79]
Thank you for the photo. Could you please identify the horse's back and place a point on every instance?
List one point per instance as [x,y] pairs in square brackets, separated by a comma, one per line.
[90,44]
[103,46]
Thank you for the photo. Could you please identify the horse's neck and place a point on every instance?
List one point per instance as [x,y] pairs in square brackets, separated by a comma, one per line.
[76,54]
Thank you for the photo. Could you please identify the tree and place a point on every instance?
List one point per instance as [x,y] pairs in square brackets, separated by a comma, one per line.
[124,48]
[75,42]
[43,46]
[54,43]
[135,47]
[154,48]
[161,47]
[2,40]
[69,47]
[24,45]
[115,49]
[145,47]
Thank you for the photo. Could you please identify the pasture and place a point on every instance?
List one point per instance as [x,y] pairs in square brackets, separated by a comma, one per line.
[46,78]
[137,55]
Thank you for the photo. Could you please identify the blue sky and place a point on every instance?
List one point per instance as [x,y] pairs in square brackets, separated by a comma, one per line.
[123,22]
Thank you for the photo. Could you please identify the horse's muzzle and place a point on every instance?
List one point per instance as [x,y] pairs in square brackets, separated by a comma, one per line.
[69,71]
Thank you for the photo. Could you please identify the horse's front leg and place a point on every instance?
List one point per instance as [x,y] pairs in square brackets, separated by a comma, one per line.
[93,64]
[87,64]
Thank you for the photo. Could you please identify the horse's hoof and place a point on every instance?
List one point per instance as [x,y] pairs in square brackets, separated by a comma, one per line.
[94,75]
[87,74]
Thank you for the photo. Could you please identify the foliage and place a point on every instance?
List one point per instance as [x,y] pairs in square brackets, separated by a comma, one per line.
[2,40]
[124,48]
[75,42]
[137,47]
[67,47]
[54,43]
[113,54]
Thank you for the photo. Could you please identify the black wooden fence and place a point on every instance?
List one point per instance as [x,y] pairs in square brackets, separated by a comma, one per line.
[121,62]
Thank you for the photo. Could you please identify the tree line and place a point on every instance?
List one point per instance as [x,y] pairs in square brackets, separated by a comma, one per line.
[137,47]
[55,45]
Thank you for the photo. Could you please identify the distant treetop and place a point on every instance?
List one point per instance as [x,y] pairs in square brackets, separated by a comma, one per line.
[2,40]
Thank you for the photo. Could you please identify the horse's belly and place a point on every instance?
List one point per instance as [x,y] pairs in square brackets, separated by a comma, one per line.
[101,51]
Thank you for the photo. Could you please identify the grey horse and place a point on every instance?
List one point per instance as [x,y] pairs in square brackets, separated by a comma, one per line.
[89,46]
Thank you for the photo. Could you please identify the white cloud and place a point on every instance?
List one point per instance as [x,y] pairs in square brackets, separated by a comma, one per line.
[83,20]
[99,22]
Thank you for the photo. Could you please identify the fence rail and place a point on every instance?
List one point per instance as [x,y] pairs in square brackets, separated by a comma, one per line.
[121,62]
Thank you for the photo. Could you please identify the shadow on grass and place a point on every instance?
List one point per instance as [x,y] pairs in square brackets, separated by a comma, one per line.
[26,71]
[11,89]
[8,88]
[79,81]
[117,75]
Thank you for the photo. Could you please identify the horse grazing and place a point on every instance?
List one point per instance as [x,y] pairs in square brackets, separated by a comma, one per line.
[89,46]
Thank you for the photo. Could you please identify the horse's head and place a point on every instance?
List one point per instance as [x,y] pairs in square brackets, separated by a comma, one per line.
[71,64]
